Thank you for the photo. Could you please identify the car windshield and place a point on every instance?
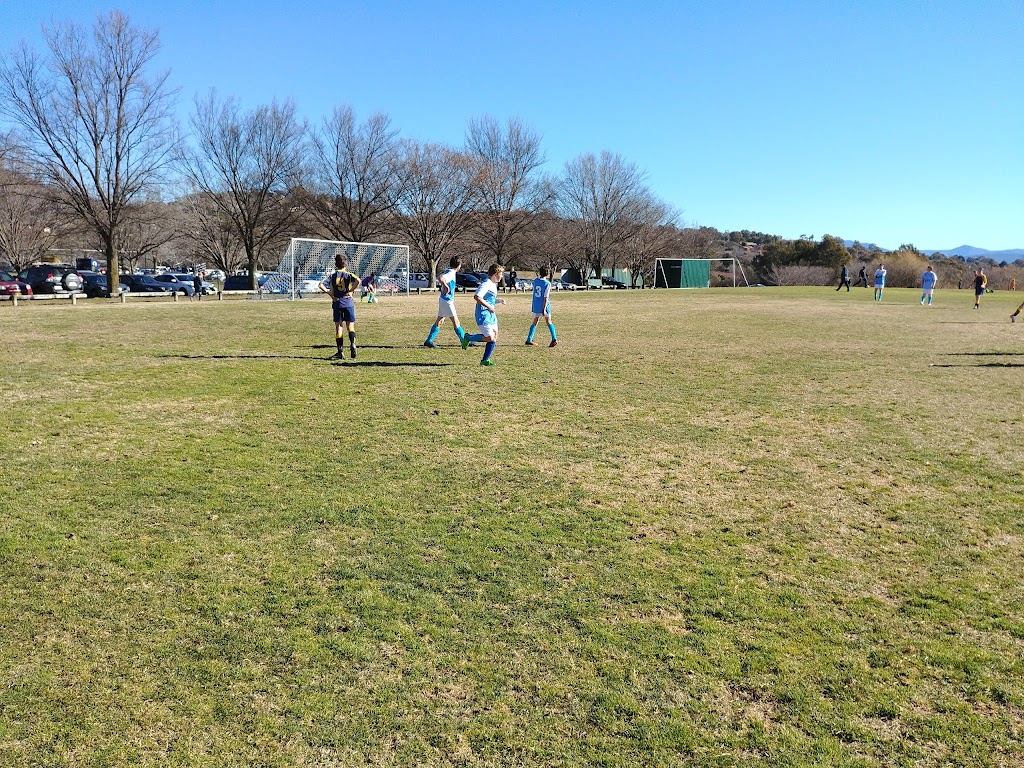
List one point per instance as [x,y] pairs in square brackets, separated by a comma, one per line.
[6,277]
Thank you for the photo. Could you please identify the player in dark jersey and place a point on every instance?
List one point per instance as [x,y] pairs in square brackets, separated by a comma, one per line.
[341,285]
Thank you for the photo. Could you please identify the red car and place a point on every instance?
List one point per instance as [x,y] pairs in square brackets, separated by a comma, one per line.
[12,286]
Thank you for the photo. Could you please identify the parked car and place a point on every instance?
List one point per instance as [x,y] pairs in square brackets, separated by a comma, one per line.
[184,287]
[144,284]
[52,278]
[419,280]
[563,285]
[208,288]
[95,285]
[12,286]
[236,283]
[467,281]
[610,282]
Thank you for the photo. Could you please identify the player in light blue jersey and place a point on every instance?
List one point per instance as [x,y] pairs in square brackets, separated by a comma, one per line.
[928,280]
[446,303]
[486,298]
[542,307]
[879,282]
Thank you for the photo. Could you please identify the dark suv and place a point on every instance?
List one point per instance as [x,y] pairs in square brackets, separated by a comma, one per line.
[52,278]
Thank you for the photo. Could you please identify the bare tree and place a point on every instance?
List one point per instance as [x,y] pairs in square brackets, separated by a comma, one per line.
[97,126]
[507,194]
[28,216]
[354,174]
[248,164]
[599,195]
[434,201]
[210,234]
[650,236]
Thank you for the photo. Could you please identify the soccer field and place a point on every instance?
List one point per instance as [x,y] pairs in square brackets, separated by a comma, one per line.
[715,528]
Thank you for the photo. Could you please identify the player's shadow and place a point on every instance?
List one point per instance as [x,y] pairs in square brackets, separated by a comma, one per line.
[983,354]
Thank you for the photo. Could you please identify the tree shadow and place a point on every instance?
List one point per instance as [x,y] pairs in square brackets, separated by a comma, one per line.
[983,354]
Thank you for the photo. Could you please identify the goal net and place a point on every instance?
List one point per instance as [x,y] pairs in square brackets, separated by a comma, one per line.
[307,262]
[697,273]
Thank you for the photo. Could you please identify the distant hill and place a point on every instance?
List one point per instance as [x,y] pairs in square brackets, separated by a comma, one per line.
[964,251]
[972,252]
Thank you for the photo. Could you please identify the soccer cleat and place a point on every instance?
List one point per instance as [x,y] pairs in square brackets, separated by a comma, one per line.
[1013,318]
[554,343]
[352,352]
[430,344]
[488,363]
[339,355]
[465,342]
[531,344]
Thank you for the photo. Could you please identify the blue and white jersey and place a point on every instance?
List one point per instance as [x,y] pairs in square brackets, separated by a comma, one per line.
[541,294]
[487,291]
[928,280]
[448,280]
[879,278]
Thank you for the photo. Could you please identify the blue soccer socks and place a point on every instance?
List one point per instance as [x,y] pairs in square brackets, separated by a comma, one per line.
[434,330]
[529,336]
[488,351]
[551,330]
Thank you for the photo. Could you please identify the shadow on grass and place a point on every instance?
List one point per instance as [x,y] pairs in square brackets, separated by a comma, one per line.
[977,365]
[331,360]
[980,365]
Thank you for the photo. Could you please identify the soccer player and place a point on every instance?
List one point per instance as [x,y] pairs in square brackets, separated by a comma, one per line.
[341,285]
[928,280]
[486,298]
[446,303]
[980,282]
[542,307]
[879,282]
[368,288]
[844,278]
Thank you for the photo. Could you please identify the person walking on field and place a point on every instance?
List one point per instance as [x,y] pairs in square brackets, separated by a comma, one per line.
[541,307]
[446,303]
[844,278]
[862,277]
[980,283]
[486,298]
[197,284]
[928,280]
[341,286]
[879,282]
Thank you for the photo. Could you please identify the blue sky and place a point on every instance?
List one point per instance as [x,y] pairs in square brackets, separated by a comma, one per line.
[887,121]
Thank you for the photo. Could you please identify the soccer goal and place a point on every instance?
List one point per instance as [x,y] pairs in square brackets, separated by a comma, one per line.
[306,262]
[695,273]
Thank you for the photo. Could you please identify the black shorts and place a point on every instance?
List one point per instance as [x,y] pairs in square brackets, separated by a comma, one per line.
[343,313]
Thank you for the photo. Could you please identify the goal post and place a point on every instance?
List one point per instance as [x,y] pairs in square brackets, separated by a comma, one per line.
[695,273]
[307,259]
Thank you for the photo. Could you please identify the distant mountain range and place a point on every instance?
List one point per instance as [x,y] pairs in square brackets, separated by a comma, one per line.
[966,251]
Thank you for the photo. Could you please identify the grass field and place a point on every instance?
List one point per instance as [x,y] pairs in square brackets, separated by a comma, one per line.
[713,528]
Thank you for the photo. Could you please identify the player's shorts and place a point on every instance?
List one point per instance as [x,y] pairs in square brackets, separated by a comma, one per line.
[491,329]
[927,291]
[879,285]
[446,309]
[343,314]
[979,291]
[545,314]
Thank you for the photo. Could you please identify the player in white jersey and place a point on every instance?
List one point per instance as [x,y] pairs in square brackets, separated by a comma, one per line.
[446,303]
[486,298]
[542,307]
[879,282]
[928,280]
